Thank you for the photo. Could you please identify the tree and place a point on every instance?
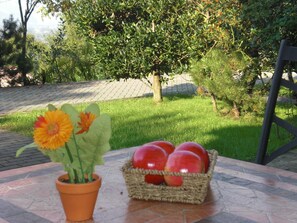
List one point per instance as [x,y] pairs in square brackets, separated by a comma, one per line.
[54,7]
[139,38]
[224,76]
[229,68]
[10,41]
[63,56]
[25,13]
[10,28]
[276,21]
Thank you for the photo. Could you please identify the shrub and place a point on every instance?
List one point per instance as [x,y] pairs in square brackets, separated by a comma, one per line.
[226,77]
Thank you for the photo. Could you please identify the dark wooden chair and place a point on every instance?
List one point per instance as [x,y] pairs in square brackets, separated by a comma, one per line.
[286,55]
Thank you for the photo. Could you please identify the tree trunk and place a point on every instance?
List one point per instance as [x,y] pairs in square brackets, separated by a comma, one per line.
[256,68]
[22,63]
[214,102]
[23,56]
[235,110]
[157,88]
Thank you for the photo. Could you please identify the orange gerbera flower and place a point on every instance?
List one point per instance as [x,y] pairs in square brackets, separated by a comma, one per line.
[52,130]
[86,120]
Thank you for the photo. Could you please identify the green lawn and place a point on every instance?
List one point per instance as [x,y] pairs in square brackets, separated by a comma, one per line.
[177,119]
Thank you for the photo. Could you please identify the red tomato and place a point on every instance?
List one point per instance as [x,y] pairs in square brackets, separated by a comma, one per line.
[183,162]
[167,146]
[150,157]
[197,149]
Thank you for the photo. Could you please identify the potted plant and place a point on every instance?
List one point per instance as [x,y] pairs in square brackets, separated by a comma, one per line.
[77,140]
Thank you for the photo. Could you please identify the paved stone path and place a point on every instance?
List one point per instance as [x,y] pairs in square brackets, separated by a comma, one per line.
[287,161]
[34,97]
[9,143]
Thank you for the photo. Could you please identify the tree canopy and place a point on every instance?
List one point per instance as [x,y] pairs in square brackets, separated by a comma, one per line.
[276,21]
[139,38]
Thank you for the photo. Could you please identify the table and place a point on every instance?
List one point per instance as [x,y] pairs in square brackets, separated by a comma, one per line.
[239,192]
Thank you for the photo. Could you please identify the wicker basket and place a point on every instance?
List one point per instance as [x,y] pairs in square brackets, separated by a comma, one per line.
[193,190]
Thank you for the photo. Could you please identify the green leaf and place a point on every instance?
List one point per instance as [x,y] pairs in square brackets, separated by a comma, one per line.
[94,109]
[51,107]
[72,112]
[95,143]
[22,149]
[57,156]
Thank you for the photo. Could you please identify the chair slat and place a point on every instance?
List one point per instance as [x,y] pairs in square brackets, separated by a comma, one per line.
[286,53]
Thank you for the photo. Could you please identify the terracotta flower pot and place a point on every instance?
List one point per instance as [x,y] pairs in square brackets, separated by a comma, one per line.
[78,200]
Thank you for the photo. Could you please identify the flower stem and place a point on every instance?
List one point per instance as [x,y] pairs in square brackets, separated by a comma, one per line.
[78,156]
[71,160]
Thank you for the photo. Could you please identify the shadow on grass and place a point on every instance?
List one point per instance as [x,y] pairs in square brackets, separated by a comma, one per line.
[239,142]
[178,89]
[20,122]
[242,142]
[179,96]
[136,132]
[234,139]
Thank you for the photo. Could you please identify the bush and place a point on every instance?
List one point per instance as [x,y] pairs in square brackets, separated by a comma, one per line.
[226,77]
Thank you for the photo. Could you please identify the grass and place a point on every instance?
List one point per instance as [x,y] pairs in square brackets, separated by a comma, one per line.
[177,119]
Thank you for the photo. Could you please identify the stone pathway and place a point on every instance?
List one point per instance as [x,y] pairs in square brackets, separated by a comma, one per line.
[287,161]
[9,143]
[33,97]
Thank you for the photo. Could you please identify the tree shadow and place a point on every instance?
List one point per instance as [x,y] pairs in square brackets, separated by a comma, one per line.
[183,89]
[143,130]
[239,142]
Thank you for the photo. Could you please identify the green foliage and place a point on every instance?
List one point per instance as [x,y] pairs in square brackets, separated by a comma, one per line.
[10,42]
[228,70]
[136,38]
[10,28]
[83,151]
[64,56]
[11,46]
[9,52]
[222,24]
[275,22]
[224,76]
[56,6]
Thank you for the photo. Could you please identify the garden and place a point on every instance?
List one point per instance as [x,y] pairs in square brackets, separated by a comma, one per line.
[226,48]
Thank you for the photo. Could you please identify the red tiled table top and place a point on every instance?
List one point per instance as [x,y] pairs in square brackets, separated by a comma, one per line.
[239,192]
